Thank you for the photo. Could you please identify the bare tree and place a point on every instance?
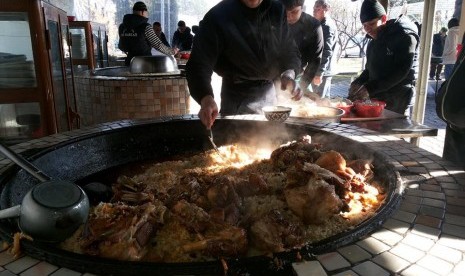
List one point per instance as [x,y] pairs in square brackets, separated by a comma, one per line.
[347,17]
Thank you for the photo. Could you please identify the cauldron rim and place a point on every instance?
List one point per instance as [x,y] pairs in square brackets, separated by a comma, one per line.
[86,263]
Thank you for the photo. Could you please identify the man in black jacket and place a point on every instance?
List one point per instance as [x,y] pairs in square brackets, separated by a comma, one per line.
[137,36]
[308,35]
[247,43]
[182,37]
[436,54]
[392,59]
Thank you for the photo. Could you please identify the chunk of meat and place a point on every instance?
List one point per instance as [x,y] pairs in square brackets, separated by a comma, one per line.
[276,232]
[353,172]
[297,151]
[315,202]
[332,161]
[310,171]
[230,214]
[128,190]
[362,167]
[256,185]
[225,241]
[121,232]
[188,189]
[222,192]
[192,216]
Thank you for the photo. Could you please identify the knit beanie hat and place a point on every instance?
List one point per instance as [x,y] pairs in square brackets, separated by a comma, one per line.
[370,10]
[139,6]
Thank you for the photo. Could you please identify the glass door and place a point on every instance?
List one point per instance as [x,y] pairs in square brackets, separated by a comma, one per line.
[20,116]
[104,44]
[64,100]
[58,76]
[73,116]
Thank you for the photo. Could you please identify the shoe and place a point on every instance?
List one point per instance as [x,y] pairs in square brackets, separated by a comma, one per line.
[438,79]
[430,78]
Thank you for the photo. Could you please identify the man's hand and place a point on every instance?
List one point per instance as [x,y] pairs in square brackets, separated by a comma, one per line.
[358,92]
[316,80]
[208,111]
[303,84]
[288,83]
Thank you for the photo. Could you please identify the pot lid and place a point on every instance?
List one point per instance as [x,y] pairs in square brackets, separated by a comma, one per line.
[56,194]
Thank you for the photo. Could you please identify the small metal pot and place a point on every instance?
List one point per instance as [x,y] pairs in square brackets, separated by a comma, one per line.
[51,211]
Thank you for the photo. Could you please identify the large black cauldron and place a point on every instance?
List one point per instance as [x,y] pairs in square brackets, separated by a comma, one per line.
[81,159]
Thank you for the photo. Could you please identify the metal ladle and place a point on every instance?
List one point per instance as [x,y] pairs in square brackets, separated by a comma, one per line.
[52,210]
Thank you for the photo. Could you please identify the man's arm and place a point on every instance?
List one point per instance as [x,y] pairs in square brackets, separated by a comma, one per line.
[199,68]
[315,54]
[156,43]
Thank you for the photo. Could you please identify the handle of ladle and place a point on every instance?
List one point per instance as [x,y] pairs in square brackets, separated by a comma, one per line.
[23,163]
[11,212]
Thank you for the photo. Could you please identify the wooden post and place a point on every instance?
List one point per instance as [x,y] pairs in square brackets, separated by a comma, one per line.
[462,23]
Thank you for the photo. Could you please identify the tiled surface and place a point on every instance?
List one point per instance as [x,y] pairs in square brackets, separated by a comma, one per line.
[424,236]
[106,99]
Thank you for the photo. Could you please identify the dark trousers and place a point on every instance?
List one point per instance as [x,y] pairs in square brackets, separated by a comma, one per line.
[399,98]
[435,70]
[246,97]
[454,146]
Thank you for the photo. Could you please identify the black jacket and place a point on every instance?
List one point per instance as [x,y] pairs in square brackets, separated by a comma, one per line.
[438,45]
[392,58]
[240,43]
[163,39]
[132,36]
[308,35]
[183,41]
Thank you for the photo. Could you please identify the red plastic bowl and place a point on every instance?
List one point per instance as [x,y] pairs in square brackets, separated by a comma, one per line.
[347,109]
[371,109]
[185,56]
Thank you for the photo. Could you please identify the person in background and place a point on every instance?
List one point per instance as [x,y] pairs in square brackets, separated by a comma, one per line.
[450,107]
[321,83]
[136,36]
[182,37]
[392,59]
[436,54]
[449,56]
[195,29]
[308,35]
[246,42]
[159,32]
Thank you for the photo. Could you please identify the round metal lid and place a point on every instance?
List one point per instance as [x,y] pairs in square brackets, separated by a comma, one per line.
[56,194]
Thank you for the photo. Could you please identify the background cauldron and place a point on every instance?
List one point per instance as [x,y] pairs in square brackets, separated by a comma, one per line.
[81,159]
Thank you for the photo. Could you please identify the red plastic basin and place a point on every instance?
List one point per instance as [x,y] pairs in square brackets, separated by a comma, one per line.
[374,108]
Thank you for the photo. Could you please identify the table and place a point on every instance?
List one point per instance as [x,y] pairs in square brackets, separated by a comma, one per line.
[392,123]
